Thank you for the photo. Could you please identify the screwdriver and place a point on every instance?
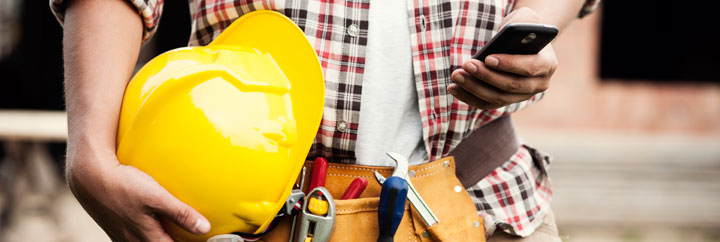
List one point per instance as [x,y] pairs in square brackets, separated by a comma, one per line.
[317,205]
[391,207]
[355,189]
[319,173]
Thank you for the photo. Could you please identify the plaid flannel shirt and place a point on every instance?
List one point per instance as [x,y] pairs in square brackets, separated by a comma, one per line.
[515,197]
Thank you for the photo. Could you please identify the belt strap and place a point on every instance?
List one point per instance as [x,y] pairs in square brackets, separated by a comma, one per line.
[486,149]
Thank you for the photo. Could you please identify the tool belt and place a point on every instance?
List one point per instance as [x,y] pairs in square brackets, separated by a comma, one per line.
[356,219]
[440,184]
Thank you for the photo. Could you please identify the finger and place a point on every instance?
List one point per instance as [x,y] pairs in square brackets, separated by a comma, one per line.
[151,230]
[524,65]
[468,98]
[124,235]
[158,236]
[183,215]
[487,92]
[491,94]
[507,82]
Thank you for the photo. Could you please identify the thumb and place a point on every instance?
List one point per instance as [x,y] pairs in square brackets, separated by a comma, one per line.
[183,215]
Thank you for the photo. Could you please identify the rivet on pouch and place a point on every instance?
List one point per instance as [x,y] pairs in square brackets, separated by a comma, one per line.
[426,234]
[476,224]
[411,173]
[458,189]
[446,163]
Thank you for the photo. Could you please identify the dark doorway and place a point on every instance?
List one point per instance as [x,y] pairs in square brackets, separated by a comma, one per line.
[660,41]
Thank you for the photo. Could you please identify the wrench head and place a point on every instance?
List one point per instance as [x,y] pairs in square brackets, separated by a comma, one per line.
[380,178]
[323,224]
[401,169]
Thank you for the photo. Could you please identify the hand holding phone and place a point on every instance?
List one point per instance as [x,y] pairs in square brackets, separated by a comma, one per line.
[519,67]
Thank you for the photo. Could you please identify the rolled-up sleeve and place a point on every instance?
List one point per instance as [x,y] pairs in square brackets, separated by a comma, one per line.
[589,7]
[149,10]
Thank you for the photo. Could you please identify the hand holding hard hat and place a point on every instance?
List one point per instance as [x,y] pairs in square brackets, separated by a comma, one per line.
[225,128]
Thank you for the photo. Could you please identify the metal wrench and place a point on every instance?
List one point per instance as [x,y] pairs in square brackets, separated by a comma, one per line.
[295,218]
[317,227]
[401,170]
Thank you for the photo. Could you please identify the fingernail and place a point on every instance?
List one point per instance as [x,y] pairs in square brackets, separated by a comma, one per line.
[470,67]
[491,61]
[452,91]
[460,78]
[202,226]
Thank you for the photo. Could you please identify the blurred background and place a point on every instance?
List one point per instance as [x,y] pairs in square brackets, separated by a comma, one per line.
[632,119]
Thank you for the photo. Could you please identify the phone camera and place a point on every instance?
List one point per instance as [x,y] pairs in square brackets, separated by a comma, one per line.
[529,38]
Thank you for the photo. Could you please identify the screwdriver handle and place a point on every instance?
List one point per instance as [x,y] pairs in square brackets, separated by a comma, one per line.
[319,173]
[392,207]
[385,239]
[357,186]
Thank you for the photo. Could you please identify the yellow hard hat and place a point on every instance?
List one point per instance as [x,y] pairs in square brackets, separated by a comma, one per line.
[226,127]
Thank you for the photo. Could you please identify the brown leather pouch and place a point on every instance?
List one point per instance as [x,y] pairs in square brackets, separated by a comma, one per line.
[356,219]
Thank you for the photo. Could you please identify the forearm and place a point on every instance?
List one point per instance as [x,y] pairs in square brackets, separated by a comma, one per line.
[101,44]
[556,12]
[102,40]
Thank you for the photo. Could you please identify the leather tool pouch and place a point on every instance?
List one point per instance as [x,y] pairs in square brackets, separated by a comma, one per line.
[487,148]
[436,182]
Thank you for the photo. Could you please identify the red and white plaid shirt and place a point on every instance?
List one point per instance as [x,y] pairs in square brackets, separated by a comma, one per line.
[515,197]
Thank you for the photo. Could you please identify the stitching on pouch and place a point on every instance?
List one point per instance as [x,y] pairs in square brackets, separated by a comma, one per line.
[335,174]
[428,168]
[368,169]
[353,168]
[429,174]
[354,209]
[410,232]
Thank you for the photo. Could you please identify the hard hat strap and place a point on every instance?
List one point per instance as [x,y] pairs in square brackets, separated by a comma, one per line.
[255,237]
[292,207]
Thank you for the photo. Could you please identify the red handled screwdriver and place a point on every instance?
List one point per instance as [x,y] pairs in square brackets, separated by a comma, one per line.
[319,173]
[356,187]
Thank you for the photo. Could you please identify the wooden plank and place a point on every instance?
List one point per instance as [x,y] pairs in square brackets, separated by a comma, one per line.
[628,180]
[33,125]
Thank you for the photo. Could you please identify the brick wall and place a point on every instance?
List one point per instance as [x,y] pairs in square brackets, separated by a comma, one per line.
[579,100]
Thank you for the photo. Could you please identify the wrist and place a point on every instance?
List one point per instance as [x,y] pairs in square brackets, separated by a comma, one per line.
[86,155]
[87,175]
[523,14]
[559,12]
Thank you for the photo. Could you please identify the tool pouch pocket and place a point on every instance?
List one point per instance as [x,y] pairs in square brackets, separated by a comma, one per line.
[447,198]
[356,219]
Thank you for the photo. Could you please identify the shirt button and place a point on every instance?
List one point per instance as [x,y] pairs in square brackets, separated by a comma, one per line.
[353,30]
[341,126]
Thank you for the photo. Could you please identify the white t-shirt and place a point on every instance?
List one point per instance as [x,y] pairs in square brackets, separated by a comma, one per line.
[389,114]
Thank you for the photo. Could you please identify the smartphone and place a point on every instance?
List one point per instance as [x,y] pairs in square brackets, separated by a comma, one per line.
[518,39]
